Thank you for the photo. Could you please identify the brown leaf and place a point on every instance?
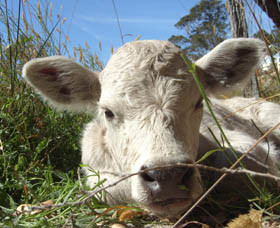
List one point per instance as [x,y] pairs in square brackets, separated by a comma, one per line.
[126,215]
[47,203]
[27,208]
[250,220]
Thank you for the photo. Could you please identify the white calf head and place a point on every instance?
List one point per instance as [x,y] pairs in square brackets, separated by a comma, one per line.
[149,112]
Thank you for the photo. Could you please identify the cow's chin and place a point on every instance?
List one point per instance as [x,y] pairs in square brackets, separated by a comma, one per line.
[170,208]
[170,202]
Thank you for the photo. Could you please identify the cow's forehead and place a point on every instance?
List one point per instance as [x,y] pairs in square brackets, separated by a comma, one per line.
[164,96]
[145,73]
[136,59]
[145,68]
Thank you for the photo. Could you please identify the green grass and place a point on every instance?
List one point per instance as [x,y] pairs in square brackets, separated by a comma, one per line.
[39,147]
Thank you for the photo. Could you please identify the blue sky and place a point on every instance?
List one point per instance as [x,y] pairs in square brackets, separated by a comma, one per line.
[95,20]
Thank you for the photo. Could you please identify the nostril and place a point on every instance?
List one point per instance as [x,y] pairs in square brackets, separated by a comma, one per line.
[146,175]
[180,175]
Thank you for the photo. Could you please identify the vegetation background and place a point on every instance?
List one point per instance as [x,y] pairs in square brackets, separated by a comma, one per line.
[39,147]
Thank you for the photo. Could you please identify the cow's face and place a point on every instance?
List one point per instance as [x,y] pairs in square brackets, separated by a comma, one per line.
[149,112]
[145,124]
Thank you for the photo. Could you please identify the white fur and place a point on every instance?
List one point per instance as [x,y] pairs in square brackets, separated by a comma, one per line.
[157,115]
[244,121]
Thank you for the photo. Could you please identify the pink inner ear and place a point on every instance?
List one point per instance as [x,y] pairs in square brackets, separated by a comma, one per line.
[49,71]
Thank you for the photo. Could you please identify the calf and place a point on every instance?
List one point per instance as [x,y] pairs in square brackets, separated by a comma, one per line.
[149,111]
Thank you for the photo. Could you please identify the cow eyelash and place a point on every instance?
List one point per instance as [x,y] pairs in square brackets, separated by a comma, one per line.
[109,114]
[199,104]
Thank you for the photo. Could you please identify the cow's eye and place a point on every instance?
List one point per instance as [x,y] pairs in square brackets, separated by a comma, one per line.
[198,104]
[109,114]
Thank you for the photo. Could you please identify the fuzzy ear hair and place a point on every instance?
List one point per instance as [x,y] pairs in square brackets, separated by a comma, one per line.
[231,63]
[63,82]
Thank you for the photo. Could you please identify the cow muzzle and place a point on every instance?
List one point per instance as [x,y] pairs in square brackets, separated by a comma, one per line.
[169,190]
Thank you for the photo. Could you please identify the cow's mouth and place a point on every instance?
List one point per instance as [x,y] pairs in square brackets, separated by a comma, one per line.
[169,207]
[169,202]
[179,203]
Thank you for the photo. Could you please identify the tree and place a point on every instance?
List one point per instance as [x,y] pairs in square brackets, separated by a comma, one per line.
[206,26]
[236,12]
[272,9]
[239,28]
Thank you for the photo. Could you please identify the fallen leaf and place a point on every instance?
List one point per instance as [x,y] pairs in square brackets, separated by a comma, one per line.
[118,226]
[27,208]
[129,214]
[23,209]
[251,220]
[47,203]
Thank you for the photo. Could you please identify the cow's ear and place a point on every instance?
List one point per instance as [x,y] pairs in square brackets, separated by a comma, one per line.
[231,63]
[63,82]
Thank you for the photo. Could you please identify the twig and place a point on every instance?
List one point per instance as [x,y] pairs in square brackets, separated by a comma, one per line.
[210,168]
[224,171]
[266,139]
[118,20]
[83,201]
[223,176]
[235,171]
